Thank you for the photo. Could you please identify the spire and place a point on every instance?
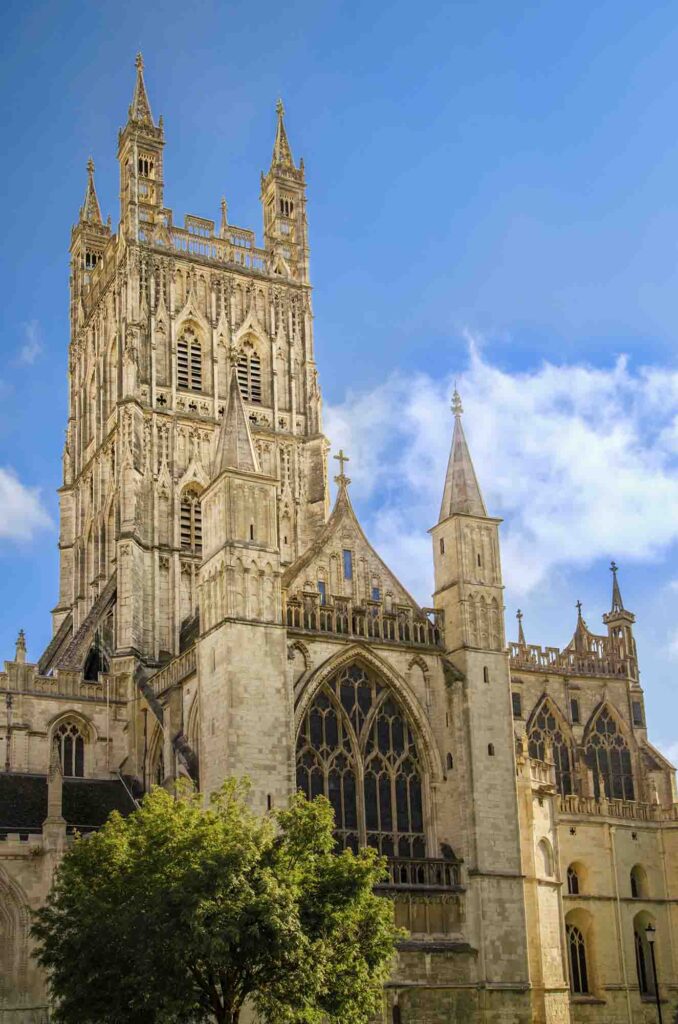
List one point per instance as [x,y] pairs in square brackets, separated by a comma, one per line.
[235,449]
[90,213]
[20,655]
[282,154]
[617,603]
[462,493]
[521,632]
[140,108]
[581,633]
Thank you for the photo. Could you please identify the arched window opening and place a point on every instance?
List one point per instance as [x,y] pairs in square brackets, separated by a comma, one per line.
[545,859]
[386,811]
[70,743]
[191,522]
[638,880]
[546,728]
[189,362]
[608,756]
[249,377]
[576,947]
[573,884]
[95,662]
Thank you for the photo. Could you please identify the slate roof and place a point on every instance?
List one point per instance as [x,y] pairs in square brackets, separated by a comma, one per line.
[86,802]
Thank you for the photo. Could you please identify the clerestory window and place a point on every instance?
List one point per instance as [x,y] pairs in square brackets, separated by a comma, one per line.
[357,747]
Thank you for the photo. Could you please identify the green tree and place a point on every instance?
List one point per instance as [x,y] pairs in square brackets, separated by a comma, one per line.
[180,913]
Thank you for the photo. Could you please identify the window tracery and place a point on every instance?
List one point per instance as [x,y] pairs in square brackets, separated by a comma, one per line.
[576,947]
[70,743]
[608,756]
[546,728]
[249,376]
[356,746]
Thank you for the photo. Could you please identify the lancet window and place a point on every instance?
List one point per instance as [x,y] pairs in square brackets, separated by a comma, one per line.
[609,758]
[357,747]
[190,526]
[249,376]
[70,743]
[189,362]
[546,728]
[576,947]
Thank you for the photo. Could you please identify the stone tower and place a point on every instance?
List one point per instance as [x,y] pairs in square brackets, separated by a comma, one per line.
[160,317]
[468,589]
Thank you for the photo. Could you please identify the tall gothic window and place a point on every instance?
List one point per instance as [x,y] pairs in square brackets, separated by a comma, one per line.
[249,376]
[191,522]
[572,881]
[546,727]
[71,746]
[357,748]
[607,755]
[576,947]
[189,362]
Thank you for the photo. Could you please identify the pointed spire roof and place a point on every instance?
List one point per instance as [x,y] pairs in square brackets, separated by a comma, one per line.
[617,603]
[140,108]
[235,449]
[90,212]
[521,632]
[462,493]
[282,153]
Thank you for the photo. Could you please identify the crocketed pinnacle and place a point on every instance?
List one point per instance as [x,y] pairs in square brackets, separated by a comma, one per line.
[235,449]
[282,153]
[90,212]
[617,603]
[521,632]
[140,108]
[462,493]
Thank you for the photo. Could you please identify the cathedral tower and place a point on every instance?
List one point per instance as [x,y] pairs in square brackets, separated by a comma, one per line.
[468,589]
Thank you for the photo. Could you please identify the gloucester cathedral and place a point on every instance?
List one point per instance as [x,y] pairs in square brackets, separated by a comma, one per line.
[217,615]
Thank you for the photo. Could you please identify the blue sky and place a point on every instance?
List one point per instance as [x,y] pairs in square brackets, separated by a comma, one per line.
[493,198]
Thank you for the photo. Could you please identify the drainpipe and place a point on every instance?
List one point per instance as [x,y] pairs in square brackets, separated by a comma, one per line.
[620,936]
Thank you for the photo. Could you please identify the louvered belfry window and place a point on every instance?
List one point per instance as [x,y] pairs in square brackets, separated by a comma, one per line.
[191,522]
[189,362]
[249,377]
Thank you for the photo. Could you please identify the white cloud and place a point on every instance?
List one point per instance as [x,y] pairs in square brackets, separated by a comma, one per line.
[669,750]
[22,513]
[32,343]
[580,462]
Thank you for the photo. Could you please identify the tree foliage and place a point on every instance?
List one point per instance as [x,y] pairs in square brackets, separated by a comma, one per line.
[180,913]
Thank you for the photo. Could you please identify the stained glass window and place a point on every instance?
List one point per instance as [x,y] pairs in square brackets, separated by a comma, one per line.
[71,746]
[608,756]
[357,748]
[546,727]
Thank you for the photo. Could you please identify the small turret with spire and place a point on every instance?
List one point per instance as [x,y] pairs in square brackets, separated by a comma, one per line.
[140,155]
[89,237]
[461,492]
[283,196]
[619,621]
[90,211]
[521,631]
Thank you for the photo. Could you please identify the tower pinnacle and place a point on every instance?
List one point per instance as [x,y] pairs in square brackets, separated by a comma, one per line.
[617,603]
[521,631]
[461,493]
[282,153]
[90,212]
[140,108]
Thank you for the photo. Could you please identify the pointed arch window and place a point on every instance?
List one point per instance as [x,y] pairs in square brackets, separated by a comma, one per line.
[70,743]
[249,376]
[356,746]
[576,948]
[189,362]
[191,522]
[608,756]
[546,728]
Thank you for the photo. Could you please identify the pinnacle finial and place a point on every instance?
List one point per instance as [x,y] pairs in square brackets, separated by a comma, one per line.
[617,603]
[341,478]
[20,655]
[140,109]
[457,407]
[579,607]
[90,166]
[139,61]
[280,108]
[521,634]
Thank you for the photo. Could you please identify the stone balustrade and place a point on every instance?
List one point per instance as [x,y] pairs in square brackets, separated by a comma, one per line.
[430,873]
[602,659]
[631,810]
[25,679]
[173,672]
[367,621]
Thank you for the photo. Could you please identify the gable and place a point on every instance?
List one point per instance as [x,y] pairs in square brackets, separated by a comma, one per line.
[324,562]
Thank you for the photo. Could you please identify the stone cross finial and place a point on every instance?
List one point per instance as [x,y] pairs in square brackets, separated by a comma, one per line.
[614,567]
[342,459]
[521,634]
[579,607]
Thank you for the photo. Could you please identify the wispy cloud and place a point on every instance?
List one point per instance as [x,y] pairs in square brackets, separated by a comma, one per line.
[31,346]
[22,513]
[580,462]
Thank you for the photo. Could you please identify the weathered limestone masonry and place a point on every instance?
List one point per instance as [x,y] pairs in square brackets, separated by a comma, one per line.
[215,619]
